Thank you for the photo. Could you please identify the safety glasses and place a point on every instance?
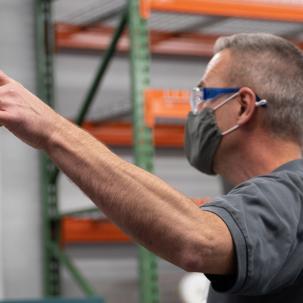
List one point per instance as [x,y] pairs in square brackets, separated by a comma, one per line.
[200,95]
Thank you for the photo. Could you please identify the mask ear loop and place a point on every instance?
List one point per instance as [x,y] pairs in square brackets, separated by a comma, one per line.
[220,105]
[227,100]
[262,102]
[230,130]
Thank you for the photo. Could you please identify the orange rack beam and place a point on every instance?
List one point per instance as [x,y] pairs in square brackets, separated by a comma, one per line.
[120,134]
[253,9]
[165,104]
[69,36]
[77,231]
[97,38]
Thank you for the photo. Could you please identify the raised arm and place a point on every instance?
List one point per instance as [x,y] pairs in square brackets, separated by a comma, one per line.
[153,213]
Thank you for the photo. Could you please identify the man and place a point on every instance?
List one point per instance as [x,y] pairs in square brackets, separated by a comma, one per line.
[246,125]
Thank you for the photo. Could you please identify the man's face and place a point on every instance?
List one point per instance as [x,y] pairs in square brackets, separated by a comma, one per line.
[216,72]
[215,75]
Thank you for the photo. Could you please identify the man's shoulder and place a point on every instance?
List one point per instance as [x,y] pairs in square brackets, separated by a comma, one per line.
[264,216]
[287,179]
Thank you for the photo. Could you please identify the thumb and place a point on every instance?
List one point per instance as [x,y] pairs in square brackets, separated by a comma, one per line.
[4,79]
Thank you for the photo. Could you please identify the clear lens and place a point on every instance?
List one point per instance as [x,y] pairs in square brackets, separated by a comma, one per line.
[196,99]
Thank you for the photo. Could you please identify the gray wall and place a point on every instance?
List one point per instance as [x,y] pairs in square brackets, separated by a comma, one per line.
[20,245]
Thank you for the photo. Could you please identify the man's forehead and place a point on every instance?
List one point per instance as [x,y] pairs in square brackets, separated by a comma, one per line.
[216,69]
[215,61]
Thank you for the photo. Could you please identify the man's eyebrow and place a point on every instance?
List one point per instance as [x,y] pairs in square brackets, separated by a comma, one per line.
[201,84]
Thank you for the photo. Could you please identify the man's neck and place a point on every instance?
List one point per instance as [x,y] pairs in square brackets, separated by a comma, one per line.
[258,158]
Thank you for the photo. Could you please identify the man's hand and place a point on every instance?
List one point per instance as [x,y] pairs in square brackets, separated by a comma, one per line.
[25,115]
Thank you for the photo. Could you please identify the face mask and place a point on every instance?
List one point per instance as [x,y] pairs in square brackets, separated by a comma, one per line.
[203,136]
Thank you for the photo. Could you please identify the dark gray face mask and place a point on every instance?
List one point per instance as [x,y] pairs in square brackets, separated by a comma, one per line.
[202,138]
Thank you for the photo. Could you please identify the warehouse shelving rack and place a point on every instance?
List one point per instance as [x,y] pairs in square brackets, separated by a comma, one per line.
[53,221]
[148,106]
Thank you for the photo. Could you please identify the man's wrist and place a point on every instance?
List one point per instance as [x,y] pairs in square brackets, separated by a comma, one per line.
[56,134]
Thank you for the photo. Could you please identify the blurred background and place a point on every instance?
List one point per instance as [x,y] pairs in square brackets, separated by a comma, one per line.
[52,240]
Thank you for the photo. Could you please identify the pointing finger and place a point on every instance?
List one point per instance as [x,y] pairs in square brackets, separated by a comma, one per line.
[4,79]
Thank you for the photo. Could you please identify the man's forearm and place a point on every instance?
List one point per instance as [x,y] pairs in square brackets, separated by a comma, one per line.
[137,200]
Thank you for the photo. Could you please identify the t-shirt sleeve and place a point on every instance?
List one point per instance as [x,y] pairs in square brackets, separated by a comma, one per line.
[262,217]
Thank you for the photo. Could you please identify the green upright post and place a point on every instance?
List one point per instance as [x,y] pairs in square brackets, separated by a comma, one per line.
[45,90]
[143,147]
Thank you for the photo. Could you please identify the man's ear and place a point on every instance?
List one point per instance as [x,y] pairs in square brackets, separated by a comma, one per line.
[247,100]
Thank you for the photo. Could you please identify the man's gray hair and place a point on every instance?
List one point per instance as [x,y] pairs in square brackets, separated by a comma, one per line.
[273,68]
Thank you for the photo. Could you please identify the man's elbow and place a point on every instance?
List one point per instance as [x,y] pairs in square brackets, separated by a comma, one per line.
[195,257]
[191,264]
[207,256]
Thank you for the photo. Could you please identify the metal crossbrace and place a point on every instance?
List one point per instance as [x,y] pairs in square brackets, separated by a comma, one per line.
[99,76]
[72,268]
[143,147]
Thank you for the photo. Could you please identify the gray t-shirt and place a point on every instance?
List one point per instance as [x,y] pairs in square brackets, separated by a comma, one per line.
[265,218]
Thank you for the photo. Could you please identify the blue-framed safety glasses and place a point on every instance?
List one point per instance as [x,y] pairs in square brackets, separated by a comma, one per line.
[200,95]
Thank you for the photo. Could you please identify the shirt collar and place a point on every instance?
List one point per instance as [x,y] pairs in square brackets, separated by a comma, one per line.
[291,165]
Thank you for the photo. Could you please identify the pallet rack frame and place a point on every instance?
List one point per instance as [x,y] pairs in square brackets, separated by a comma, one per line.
[53,254]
